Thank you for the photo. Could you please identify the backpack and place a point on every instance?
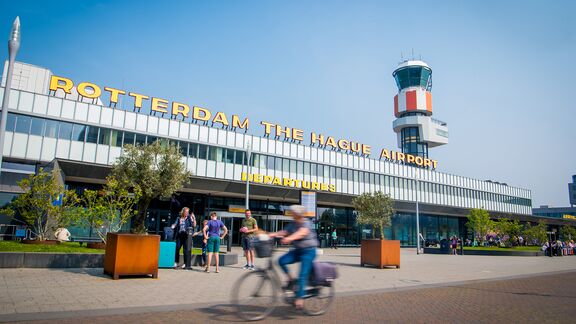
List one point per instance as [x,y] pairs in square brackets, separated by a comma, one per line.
[168,234]
[323,274]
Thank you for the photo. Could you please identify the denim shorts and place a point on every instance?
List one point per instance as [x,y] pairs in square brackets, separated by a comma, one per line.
[247,243]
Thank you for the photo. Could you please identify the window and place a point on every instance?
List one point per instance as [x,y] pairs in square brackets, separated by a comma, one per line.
[293,166]
[65,131]
[193,150]
[129,138]
[104,136]
[23,124]
[183,148]
[91,134]
[78,132]
[202,151]
[229,156]
[215,154]
[116,138]
[152,139]
[285,165]
[10,123]
[300,168]
[37,127]
[51,129]
[306,168]
[240,157]
[278,164]
[313,169]
[140,139]
[270,163]
[263,161]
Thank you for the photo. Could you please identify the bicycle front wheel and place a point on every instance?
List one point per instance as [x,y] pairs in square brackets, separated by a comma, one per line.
[254,295]
[318,299]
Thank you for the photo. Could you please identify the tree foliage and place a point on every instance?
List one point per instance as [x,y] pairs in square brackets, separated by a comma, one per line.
[108,209]
[480,223]
[508,229]
[535,234]
[45,205]
[374,209]
[154,170]
[568,232]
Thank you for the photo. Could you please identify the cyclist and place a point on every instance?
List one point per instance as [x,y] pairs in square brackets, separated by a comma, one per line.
[301,236]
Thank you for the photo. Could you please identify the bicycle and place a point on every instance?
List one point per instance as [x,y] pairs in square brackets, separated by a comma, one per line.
[256,294]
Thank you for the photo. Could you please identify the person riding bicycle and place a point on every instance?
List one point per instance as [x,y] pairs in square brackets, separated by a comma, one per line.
[302,236]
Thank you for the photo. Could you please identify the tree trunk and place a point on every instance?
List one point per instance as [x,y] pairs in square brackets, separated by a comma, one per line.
[381,231]
[138,225]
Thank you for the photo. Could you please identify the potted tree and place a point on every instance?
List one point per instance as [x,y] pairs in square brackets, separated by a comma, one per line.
[107,210]
[154,171]
[44,206]
[376,209]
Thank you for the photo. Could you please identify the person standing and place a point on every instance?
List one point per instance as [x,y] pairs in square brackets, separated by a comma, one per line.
[248,228]
[212,231]
[204,242]
[334,240]
[182,227]
[454,244]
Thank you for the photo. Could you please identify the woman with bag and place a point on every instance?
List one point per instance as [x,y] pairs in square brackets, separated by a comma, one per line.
[182,226]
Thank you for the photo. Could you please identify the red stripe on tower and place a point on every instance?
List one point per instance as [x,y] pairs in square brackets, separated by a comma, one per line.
[411,100]
[396,106]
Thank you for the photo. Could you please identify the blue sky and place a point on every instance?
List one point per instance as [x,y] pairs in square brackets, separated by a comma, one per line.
[502,70]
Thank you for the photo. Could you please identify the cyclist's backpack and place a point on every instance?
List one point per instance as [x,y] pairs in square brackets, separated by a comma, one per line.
[323,273]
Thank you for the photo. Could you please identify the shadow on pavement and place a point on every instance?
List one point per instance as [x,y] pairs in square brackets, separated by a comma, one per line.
[228,313]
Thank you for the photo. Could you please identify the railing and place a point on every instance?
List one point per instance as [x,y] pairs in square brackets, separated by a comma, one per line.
[439,122]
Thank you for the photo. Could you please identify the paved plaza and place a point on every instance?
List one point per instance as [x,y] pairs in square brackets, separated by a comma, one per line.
[434,282]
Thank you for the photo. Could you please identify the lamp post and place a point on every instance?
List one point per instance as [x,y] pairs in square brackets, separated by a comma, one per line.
[417,213]
[248,154]
[13,46]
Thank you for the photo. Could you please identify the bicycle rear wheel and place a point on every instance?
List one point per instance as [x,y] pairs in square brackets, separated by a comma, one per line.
[318,299]
[254,295]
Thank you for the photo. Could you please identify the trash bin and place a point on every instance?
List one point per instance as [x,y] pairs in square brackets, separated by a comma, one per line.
[444,246]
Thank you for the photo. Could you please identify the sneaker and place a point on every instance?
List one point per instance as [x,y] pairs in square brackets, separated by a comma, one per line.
[175,265]
[246,267]
[252,268]
[183,266]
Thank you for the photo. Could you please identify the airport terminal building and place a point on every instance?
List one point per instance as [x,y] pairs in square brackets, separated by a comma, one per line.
[80,128]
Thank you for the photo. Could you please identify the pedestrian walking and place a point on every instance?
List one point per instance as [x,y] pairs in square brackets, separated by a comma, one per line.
[183,227]
[334,240]
[212,231]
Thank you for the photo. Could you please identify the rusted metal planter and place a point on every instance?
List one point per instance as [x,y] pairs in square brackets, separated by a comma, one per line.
[380,253]
[131,254]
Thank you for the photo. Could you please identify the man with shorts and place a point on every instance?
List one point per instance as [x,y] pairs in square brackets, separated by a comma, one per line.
[248,229]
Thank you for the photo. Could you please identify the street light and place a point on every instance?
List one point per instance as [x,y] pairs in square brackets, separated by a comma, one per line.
[248,154]
[13,46]
[417,212]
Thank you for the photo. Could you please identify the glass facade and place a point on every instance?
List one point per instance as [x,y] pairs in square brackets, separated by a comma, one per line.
[413,76]
[399,187]
[411,143]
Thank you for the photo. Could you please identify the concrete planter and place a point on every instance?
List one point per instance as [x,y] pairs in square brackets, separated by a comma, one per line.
[50,260]
[380,253]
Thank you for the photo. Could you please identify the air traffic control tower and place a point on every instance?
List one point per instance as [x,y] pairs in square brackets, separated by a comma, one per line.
[417,130]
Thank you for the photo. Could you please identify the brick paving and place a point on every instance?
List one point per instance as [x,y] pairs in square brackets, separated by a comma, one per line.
[536,299]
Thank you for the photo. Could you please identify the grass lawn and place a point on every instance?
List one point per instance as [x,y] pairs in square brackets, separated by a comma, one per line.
[65,247]
[494,248]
